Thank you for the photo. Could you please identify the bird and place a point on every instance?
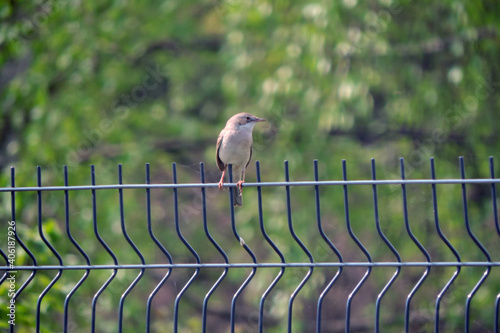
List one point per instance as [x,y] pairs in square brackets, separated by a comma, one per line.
[234,146]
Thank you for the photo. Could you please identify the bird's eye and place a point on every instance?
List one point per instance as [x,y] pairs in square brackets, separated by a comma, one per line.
[248,118]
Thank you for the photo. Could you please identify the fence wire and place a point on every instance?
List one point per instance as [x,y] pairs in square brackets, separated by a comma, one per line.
[35,269]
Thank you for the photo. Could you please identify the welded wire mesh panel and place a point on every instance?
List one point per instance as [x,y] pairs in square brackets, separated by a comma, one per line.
[389,255]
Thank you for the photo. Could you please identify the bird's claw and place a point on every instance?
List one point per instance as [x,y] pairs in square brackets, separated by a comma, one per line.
[240,184]
[221,185]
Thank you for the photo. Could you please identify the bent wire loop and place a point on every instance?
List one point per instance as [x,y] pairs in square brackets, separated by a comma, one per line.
[289,277]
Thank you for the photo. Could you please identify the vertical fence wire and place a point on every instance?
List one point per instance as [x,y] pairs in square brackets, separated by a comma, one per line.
[302,246]
[245,247]
[417,243]
[187,245]
[134,247]
[443,291]
[19,241]
[105,246]
[6,273]
[389,245]
[478,244]
[49,245]
[273,245]
[494,196]
[497,226]
[160,246]
[361,247]
[216,245]
[327,240]
[77,246]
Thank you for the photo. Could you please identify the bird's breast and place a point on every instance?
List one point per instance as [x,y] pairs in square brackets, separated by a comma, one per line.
[235,147]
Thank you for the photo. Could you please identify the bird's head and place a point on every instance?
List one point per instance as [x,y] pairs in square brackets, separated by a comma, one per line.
[245,120]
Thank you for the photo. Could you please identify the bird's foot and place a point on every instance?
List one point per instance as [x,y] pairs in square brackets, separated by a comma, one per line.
[240,184]
[221,185]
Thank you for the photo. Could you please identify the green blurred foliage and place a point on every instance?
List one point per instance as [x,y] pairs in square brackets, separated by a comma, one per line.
[138,82]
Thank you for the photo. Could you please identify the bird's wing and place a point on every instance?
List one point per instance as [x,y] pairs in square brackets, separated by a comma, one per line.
[220,164]
[250,157]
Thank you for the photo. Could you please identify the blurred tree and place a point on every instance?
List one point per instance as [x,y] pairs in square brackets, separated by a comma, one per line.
[133,82]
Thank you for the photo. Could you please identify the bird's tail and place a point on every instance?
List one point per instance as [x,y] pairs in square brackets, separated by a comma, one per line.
[237,197]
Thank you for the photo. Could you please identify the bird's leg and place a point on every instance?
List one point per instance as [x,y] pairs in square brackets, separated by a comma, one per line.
[221,181]
[240,183]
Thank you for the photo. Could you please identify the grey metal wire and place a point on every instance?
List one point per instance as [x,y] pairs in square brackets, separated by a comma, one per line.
[247,250]
[134,247]
[302,246]
[216,245]
[20,242]
[361,247]
[362,264]
[389,245]
[338,262]
[106,247]
[160,246]
[441,294]
[50,246]
[77,246]
[497,225]
[478,244]
[417,243]
[188,246]
[486,181]
[275,248]
[330,244]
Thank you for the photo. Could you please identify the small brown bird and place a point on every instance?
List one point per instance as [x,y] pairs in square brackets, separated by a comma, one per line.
[234,146]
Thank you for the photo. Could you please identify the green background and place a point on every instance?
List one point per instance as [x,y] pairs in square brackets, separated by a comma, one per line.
[135,82]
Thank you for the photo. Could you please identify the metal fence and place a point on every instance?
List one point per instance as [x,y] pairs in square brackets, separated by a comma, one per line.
[261,294]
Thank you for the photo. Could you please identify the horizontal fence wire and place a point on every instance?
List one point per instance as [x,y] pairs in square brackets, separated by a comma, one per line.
[249,184]
[238,273]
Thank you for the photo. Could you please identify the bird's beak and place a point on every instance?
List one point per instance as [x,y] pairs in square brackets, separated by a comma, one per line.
[257,119]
